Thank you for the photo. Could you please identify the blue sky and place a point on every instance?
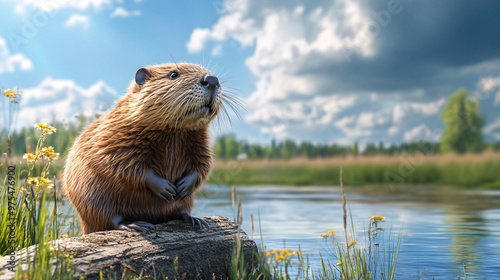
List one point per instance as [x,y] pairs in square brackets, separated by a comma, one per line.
[323,71]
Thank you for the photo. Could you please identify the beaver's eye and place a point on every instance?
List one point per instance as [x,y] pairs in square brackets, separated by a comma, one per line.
[173,75]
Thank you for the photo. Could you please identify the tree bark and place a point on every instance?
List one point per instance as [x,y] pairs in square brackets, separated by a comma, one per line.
[200,254]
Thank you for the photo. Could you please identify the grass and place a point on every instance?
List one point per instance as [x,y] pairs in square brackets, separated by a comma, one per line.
[29,217]
[466,171]
[375,260]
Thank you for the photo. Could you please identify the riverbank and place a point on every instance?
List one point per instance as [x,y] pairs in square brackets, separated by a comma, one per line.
[467,171]
[478,171]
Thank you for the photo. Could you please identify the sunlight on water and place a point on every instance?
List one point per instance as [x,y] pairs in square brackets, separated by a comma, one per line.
[442,228]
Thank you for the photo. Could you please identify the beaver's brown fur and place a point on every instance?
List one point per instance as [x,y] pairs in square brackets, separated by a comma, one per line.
[155,127]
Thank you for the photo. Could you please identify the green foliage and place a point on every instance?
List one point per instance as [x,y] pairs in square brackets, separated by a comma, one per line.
[496,146]
[355,149]
[459,174]
[24,140]
[228,147]
[463,123]
[29,217]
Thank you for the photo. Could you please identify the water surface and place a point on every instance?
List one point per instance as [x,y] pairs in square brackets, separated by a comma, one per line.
[443,228]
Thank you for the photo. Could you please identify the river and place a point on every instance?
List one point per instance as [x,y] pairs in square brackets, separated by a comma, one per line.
[443,229]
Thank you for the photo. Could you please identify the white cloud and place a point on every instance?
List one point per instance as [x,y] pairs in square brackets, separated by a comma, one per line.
[421,132]
[288,36]
[488,86]
[121,12]
[12,62]
[417,109]
[309,59]
[493,129]
[50,5]
[62,100]
[78,20]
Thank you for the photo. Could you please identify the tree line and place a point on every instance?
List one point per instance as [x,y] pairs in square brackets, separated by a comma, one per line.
[229,147]
[461,115]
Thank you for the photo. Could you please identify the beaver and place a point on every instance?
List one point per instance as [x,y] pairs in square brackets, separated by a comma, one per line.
[141,162]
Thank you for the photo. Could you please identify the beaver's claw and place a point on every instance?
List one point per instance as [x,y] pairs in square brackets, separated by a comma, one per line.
[186,185]
[118,222]
[193,221]
[141,226]
[161,187]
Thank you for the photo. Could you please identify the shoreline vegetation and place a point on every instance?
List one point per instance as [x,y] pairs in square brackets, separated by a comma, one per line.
[476,171]
[473,171]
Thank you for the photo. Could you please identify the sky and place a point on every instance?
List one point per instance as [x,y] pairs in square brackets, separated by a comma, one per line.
[338,71]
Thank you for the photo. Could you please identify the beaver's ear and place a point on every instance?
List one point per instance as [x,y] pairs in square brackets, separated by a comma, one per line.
[141,76]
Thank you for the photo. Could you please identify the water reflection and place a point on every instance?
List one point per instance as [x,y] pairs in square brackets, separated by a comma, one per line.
[467,228]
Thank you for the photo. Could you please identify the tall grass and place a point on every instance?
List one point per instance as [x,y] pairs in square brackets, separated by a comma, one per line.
[483,174]
[375,259]
[29,216]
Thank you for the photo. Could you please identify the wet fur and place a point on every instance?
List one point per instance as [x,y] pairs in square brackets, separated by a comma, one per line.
[106,167]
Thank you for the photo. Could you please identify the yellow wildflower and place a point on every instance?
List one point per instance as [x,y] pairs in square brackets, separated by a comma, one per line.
[47,150]
[352,244]
[40,125]
[326,234]
[281,257]
[32,180]
[50,130]
[29,157]
[10,94]
[65,236]
[377,218]
[339,263]
[40,181]
[45,128]
[48,153]
[281,254]
[270,253]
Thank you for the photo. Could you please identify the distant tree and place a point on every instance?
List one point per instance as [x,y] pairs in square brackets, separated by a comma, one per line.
[496,146]
[232,147]
[463,123]
[355,149]
[370,149]
[381,148]
[271,150]
[220,148]
[288,149]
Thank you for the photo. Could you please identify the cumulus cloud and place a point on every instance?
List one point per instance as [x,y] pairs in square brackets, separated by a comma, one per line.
[490,85]
[421,132]
[388,72]
[62,100]
[12,62]
[405,109]
[493,129]
[78,20]
[121,12]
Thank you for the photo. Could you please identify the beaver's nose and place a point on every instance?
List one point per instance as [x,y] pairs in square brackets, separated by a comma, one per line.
[210,82]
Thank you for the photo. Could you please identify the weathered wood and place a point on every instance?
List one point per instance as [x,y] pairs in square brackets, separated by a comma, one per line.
[201,254]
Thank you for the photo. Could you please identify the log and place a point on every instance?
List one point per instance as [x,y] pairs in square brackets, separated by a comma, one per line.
[201,254]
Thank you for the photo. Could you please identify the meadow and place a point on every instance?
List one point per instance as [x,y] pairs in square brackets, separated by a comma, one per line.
[477,171]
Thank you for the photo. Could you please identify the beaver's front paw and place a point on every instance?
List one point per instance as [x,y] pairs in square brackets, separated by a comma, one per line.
[160,186]
[186,185]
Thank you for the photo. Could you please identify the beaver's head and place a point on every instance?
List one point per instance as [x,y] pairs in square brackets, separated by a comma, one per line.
[175,96]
